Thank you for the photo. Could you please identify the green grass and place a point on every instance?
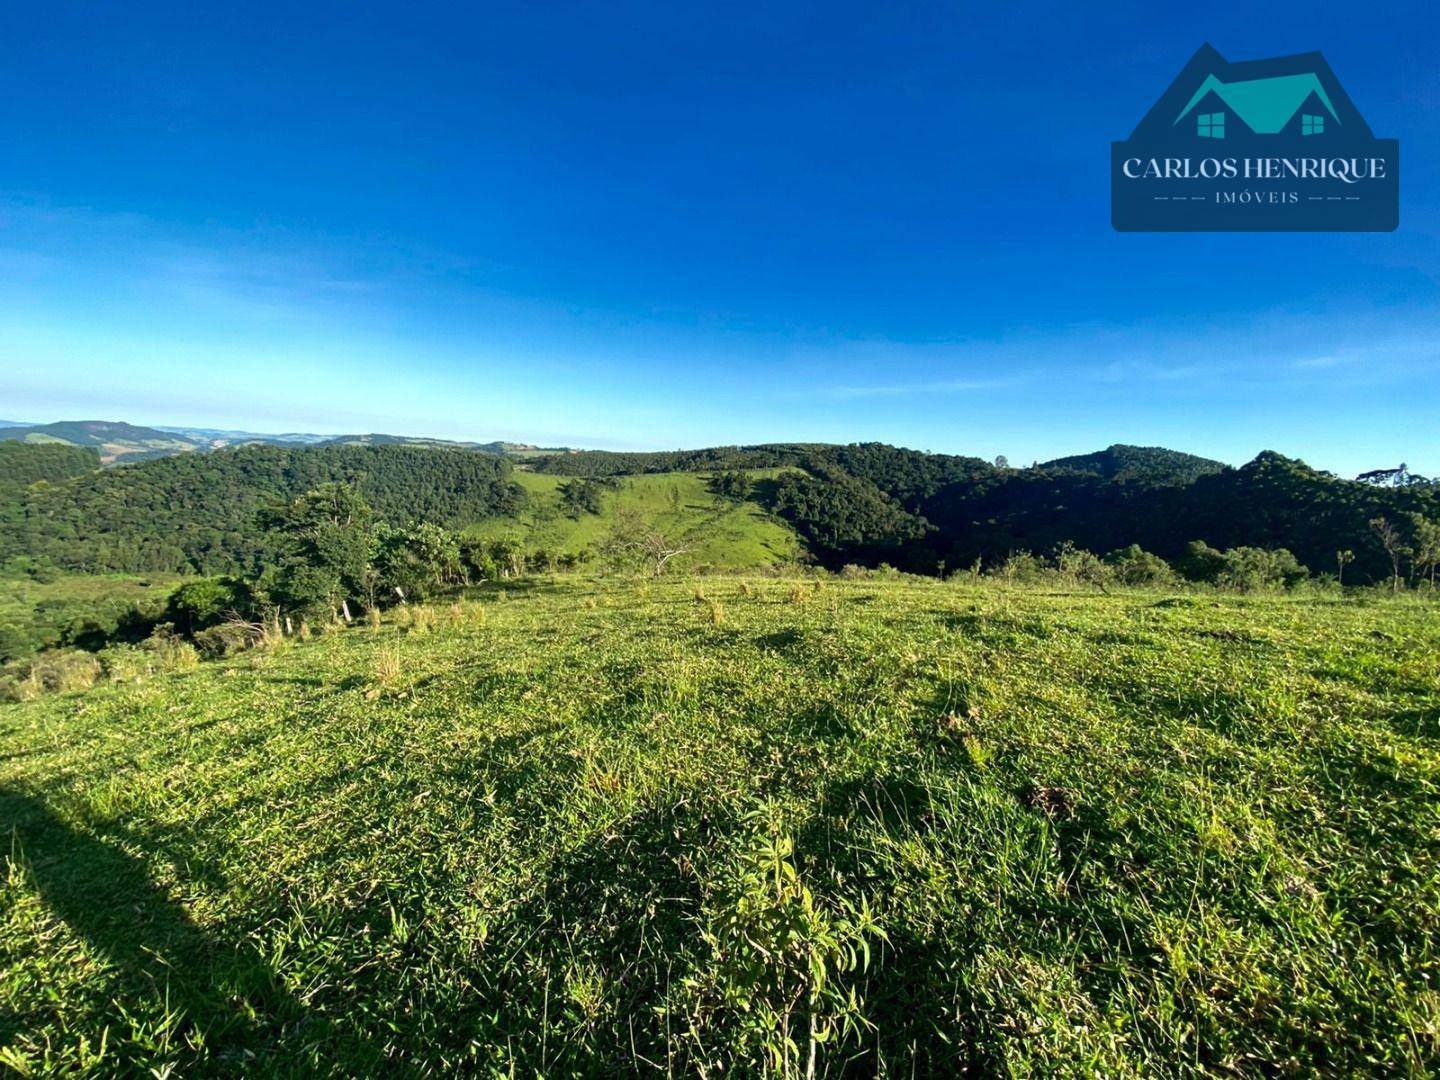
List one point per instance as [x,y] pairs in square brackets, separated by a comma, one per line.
[718,532]
[605,827]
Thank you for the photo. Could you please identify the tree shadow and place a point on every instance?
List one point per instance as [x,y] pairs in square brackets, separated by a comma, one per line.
[223,998]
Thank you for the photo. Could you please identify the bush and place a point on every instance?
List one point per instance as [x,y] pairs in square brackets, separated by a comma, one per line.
[197,605]
[17,682]
[1248,569]
[1021,566]
[126,663]
[1201,562]
[65,672]
[1080,566]
[172,653]
[1137,567]
[225,639]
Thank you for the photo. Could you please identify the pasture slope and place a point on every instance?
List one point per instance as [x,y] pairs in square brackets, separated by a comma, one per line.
[715,531]
[728,825]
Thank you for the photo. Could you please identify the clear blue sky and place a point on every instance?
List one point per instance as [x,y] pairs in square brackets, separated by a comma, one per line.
[670,225]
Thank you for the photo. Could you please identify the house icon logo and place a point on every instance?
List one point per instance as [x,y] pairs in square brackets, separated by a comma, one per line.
[1256,146]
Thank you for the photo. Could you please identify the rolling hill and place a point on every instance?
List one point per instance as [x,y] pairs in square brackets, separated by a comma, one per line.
[120,443]
[1151,466]
[116,442]
[861,503]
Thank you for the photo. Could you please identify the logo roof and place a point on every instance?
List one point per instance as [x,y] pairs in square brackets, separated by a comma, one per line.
[1265,104]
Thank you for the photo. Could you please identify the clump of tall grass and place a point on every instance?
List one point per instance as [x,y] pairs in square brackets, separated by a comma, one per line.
[715,613]
[797,593]
[172,653]
[388,666]
[59,671]
[126,663]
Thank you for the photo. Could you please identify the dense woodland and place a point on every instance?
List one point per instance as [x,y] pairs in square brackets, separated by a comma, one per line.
[22,464]
[200,513]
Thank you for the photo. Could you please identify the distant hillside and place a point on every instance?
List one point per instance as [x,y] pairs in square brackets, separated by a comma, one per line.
[1151,466]
[505,449]
[22,464]
[116,441]
[121,443]
[216,438]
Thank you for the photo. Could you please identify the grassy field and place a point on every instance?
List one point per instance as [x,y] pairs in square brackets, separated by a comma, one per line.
[721,826]
[718,532]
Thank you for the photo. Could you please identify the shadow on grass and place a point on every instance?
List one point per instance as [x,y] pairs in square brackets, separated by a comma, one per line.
[166,967]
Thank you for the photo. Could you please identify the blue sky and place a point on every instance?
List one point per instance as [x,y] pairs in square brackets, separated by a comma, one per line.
[668,225]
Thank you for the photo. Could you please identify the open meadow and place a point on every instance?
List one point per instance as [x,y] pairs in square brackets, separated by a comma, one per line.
[720,825]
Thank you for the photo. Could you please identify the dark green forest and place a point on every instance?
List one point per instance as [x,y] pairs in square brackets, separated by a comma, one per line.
[200,513]
[22,464]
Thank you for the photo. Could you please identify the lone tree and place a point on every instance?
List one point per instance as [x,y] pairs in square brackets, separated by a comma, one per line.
[1394,546]
[1342,560]
[634,540]
[1426,553]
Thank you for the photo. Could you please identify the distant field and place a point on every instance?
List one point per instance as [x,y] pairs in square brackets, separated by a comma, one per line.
[33,614]
[718,532]
[606,827]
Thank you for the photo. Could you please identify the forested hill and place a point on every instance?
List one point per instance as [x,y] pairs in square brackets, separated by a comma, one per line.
[870,502]
[1149,466]
[200,513]
[863,503]
[1272,502]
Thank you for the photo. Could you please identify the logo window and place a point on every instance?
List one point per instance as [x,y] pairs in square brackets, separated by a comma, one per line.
[1212,125]
[1311,125]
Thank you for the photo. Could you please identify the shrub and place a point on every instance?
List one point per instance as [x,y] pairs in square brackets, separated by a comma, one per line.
[1248,569]
[197,605]
[784,965]
[172,653]
[1021,566]
[1080,566]
[225,639]
[1201,562]
[1135,566]
[65,671]
[18,682]
[126,663]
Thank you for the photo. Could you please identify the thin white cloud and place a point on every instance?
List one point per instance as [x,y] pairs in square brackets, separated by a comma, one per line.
[946,386]
[1313,362]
